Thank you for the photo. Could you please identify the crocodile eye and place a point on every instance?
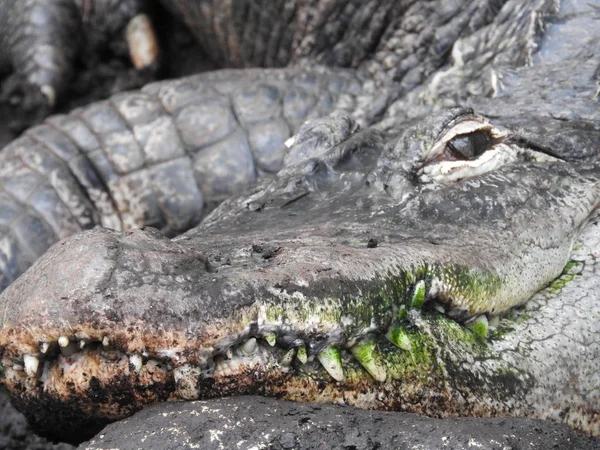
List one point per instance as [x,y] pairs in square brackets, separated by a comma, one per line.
[468,146]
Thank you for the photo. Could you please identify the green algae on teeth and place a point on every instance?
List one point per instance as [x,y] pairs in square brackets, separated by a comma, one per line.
[479,326]
[302,355]
[367,354]
[398,336]
[418,297]
[331,359]
[271,338]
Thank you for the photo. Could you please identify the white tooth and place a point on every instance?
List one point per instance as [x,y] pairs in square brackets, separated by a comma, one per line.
[287,359]
[63,341]
[82,343]
[106,341]
[142,42]
[494,321]
[290,141]
[229,353]
[249,346]
[31,365]
[50,94]
[44,347]
[331,359]
[439,308]
[136,362]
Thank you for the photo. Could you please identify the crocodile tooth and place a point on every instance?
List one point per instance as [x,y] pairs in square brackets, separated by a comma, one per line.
[271,338]
[439,308]
[368,356]
[479,326]
[106,341]
[44,347]
[418,297]
[402,313]
[290,141]
[249,347]
[142,42]
[494,321]
[288,358]
[82,343]
[331,359]
[229,353]
[63,341]
[49,93]
[302,355]
[136,362]
[399,337]
[31,365]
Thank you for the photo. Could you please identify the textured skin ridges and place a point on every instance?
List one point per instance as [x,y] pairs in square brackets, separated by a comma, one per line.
[42,200]
[195,299]
[162,156]
[405,41]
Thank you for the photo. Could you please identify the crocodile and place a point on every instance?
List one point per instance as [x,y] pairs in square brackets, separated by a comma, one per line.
[368,271]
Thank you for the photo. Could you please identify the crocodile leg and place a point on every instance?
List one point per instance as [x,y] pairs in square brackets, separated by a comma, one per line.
[37,41]
[41,42]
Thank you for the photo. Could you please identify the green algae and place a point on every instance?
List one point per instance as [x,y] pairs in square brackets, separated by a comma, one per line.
[302,355]
[368,355]
[398,336]
[362,305]
[569,274]
[418,297]
[480,327]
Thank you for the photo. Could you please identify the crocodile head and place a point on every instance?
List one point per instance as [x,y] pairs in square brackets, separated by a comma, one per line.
[379,269]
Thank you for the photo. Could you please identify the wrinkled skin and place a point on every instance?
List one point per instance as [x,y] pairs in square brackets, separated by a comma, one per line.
[377,228]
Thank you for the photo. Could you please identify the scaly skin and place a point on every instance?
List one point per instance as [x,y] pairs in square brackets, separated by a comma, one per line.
[231,306]
[161,157]
[366,228]
[117,174]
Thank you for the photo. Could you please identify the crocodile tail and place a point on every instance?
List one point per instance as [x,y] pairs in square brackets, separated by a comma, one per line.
[162,157]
